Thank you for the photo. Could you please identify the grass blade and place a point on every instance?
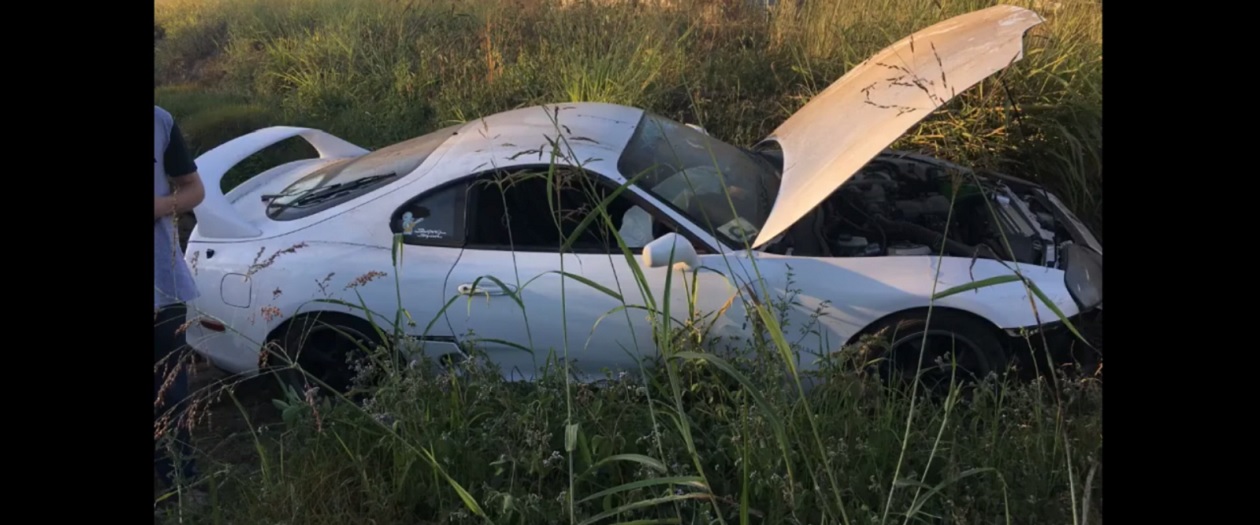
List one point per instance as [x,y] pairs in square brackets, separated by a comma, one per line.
[636,458]
[975,285]
[694,481]
[640,504]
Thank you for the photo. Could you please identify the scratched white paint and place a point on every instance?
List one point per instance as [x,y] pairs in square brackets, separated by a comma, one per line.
[825,142]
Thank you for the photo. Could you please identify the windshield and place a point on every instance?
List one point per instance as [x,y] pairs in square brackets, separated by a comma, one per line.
[348,179]
[695,173]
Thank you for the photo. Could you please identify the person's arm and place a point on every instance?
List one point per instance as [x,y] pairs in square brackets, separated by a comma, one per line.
[186,188]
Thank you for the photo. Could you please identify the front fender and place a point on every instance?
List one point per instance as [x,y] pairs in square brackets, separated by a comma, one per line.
[1008,305]
[853,293]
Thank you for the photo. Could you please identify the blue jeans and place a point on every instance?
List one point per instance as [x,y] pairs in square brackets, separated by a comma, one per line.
[170,381]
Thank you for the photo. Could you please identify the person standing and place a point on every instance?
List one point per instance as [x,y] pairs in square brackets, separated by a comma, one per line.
[177,189]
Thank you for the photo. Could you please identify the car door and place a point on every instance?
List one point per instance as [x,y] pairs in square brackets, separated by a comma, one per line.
[526,298]
[431,225]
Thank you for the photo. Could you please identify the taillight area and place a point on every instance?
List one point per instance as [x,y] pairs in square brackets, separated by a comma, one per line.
[210,324]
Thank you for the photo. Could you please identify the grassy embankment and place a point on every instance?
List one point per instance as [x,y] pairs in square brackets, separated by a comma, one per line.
[434,448]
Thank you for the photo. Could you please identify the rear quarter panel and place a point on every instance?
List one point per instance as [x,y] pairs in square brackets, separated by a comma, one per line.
[253,287]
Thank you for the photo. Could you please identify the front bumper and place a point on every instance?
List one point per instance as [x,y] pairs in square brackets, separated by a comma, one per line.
[1054,344]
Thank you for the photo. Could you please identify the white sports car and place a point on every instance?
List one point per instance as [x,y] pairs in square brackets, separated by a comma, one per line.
[858,228]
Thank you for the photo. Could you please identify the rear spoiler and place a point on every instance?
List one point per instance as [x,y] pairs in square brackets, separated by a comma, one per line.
[216,217]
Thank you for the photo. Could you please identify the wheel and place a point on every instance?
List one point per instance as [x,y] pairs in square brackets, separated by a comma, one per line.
[959,349]
[326,348]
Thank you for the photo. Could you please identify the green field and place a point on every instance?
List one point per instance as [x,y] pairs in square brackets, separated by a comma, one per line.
[690,442]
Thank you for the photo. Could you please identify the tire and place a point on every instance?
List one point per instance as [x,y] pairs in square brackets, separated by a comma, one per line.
[977,347]
[326,348]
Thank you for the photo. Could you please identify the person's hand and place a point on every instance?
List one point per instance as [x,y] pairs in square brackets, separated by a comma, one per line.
[161,207]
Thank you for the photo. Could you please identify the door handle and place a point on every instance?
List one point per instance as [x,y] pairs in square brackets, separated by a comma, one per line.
[487,288]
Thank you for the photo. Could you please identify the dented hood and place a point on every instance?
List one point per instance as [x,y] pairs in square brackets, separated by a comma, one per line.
[871,106]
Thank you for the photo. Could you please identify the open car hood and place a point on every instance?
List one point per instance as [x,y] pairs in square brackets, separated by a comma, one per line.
[873,104]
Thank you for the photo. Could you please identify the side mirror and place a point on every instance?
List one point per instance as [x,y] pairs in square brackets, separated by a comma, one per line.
[659,252]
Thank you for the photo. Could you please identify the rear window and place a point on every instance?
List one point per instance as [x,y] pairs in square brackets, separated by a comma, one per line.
[346,180]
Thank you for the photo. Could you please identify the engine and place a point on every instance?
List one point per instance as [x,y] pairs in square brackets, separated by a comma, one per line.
[907,207]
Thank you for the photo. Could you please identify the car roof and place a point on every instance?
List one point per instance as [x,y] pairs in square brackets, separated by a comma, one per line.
[591,134]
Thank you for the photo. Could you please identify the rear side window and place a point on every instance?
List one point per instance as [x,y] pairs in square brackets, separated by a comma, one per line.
[346,180]
[434,218]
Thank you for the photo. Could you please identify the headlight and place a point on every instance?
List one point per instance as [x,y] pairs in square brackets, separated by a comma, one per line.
[1083,275]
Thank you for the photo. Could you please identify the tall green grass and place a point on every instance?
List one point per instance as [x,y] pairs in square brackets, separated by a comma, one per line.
[697,438]
[379,71]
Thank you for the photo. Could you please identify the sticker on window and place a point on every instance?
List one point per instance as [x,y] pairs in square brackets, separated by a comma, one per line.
[427,234]
[408,223]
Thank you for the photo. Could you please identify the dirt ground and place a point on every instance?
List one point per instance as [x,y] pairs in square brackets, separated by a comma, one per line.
[225,410]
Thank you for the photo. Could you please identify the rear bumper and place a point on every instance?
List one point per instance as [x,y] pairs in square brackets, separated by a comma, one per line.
[232,345]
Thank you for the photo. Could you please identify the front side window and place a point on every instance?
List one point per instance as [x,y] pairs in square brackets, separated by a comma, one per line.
[542,210]
[345,180]
[696,173]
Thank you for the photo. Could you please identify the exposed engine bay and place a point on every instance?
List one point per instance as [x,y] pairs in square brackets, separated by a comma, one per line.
[903,205]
